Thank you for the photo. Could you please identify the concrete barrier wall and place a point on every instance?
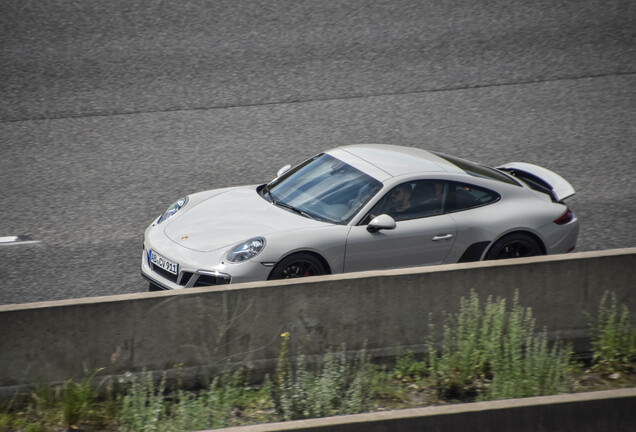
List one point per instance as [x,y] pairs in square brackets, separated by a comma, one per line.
[196,328]
[611,410]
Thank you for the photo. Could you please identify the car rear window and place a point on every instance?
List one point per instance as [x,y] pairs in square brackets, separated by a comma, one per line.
[478,170]
[463,196]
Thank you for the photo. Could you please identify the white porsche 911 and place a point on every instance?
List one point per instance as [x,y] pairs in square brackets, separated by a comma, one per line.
[355,208]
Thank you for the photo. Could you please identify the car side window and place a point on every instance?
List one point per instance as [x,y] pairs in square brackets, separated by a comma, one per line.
[411,200]
[462,196]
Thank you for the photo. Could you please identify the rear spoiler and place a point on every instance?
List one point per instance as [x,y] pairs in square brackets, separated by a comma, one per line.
[540,179]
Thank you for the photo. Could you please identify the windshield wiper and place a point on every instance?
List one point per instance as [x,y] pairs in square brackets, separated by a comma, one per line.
[267,191]
[292,208]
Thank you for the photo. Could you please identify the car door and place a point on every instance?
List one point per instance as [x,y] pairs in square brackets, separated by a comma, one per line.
[422,237]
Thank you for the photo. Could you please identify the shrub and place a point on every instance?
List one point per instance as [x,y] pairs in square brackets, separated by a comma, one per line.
[78,399]
[337,387]
[494,353]
[613,336]
[143,406]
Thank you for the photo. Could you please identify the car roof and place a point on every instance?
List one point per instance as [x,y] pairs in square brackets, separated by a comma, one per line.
[398,160]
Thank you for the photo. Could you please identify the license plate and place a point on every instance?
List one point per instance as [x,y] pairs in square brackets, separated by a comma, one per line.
[166,264]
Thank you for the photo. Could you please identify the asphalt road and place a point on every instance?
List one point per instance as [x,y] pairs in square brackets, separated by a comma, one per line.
[111,110]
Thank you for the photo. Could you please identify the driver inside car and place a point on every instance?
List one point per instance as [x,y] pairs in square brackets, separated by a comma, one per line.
[399,201]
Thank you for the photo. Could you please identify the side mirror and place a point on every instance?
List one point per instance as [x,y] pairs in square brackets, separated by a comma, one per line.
[383,221]
[283,170]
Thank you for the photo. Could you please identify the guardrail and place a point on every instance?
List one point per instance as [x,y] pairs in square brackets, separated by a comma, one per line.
[196,330]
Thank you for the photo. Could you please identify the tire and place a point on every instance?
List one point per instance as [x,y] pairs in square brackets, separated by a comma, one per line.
[516,245]
[298,265]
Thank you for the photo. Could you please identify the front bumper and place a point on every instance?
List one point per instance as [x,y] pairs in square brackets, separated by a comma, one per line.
[184,279]
[196,269]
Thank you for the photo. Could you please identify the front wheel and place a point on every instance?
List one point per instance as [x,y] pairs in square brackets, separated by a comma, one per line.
[298,265]
[517,245]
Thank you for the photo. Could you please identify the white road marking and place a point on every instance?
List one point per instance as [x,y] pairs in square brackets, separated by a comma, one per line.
[16,240]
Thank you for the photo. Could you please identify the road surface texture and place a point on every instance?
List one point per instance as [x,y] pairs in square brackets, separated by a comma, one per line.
[109,111]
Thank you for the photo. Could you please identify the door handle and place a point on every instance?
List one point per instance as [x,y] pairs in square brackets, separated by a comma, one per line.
[442,237]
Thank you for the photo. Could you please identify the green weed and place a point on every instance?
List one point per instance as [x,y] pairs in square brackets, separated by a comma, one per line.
[337,387]
[613,336]
[143,408]
[489,353]
[78,399]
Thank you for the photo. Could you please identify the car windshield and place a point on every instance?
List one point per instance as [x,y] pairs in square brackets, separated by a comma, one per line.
[323,188]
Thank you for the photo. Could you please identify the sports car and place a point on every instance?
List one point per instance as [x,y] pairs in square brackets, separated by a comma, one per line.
[356,208]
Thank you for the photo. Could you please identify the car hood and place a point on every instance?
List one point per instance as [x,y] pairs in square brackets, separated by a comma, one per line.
[231,217]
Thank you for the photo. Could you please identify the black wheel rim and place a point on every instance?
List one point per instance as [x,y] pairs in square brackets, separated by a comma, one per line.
[299,269]
[516,249]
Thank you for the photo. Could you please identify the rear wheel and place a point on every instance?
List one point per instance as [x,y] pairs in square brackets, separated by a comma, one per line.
[298,265]
[516,245]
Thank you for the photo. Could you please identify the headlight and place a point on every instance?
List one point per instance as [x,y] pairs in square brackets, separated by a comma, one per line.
[246,250]
[175,207]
